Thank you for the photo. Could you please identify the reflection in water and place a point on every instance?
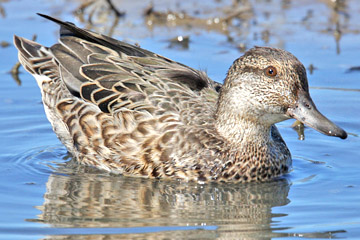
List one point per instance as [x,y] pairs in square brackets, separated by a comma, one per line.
[241,21]
[83,197]
[224,18]
[339,18]
[93,10]
[79,196]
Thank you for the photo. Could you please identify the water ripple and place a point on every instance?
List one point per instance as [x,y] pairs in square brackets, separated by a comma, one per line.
[39,161]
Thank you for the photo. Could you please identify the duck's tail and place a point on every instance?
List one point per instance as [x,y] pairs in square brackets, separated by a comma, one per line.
[36,59]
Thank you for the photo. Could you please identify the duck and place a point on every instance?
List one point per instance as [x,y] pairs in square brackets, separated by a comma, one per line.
[129,111]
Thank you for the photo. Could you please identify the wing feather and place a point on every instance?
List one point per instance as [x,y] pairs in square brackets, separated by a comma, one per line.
[117,76]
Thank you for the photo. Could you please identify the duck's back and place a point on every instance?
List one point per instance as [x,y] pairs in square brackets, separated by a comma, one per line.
[119,107]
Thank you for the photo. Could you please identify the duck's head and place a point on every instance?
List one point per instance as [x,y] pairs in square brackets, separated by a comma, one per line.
[269,85]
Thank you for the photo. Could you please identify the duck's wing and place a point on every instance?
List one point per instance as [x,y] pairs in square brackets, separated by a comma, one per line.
[108,100]
[113,74]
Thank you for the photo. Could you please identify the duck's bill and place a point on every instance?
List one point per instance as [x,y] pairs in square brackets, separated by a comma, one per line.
[306,112]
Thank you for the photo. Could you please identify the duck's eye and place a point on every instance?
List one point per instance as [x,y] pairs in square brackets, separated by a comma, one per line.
[271,71]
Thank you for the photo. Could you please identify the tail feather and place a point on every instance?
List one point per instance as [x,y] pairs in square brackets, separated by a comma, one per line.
[35,58]
[27,48]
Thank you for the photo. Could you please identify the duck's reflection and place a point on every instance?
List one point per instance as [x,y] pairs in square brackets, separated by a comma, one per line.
[82,197]
[135,208]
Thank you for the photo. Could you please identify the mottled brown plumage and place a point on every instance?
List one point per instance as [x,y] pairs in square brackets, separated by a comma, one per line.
[130,111]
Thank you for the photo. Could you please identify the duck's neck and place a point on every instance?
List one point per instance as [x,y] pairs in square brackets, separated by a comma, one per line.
[240,131]
[251,152]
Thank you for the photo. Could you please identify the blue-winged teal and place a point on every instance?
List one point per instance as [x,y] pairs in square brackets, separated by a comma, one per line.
[130,111]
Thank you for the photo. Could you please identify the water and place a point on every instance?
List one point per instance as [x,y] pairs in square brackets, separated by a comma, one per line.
[44,195]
